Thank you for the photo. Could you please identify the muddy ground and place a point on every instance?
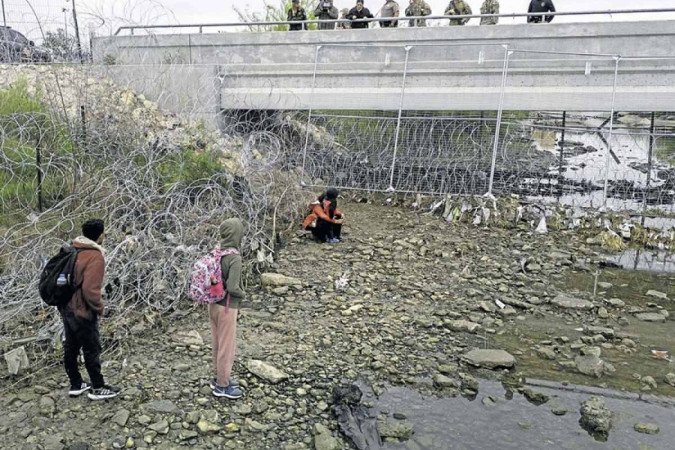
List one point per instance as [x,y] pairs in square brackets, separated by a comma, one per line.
[420,295]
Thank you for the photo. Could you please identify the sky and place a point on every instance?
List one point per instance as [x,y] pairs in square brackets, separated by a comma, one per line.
[104,16]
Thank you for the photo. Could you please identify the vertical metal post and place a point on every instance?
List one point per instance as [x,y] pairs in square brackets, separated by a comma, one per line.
[495,147]
[398,120]
[309,113]
[77,34]
[649,166]
[83,123]
[611,131]
[4,17]
[561,155]
[38,167]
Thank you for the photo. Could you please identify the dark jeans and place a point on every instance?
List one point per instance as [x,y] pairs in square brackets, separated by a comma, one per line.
[326,230]
[82,334]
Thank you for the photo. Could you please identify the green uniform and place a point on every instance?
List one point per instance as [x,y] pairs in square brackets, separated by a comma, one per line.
[458,8]
[415,9]
[489,7]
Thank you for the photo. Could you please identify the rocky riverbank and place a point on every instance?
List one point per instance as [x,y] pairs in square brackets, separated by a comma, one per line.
[407,299]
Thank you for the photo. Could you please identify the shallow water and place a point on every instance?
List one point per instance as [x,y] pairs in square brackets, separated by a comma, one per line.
[459,423]
[647,260]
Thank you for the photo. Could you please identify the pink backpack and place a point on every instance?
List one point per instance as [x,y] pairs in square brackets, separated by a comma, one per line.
[206,280]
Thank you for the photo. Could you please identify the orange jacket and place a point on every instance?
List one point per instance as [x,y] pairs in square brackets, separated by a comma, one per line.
[316,211]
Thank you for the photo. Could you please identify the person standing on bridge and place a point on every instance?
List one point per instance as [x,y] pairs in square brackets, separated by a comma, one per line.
[390,9]
[296,14]
[344,14]
[360,12]
[417,8]
[540,6]
[489,7]
[326,11]
[458,8]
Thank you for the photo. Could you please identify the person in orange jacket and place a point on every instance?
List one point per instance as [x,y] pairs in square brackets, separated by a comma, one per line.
[324,219]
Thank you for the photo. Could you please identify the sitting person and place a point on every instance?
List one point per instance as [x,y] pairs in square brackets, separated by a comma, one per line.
[324,219]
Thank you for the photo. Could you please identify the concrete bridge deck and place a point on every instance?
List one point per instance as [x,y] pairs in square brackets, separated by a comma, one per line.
[551,67]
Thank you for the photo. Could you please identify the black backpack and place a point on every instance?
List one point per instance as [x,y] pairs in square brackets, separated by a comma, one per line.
[57,280]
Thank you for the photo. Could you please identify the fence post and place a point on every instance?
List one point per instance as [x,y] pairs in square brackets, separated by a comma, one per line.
[495,147]
[38,167]
[561,155]
[309,114]
[649,166]
[398,120]
[611,131]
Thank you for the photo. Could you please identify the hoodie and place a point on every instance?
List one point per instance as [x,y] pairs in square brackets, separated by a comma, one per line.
[231,233]
[87,303]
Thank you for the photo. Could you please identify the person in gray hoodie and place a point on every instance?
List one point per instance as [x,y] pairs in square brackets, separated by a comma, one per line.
[326,11]
[223,314]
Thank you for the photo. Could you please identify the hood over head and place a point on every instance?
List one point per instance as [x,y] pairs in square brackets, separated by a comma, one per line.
[231,233]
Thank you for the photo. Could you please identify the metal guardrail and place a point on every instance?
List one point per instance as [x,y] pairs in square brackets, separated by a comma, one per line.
[201,26]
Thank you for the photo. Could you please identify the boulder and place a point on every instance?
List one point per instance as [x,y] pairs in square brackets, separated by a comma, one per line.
[651,317]
[568,302]
[265,371]
[274,280]
[595,417]
[657,294]
[490,358]
[670,379]
[395,429]
[592,365]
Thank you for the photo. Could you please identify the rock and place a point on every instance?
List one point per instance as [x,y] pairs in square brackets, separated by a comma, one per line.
[161,406]
[604,285]
[53,442]
[592,365]
[616,302]
[651,317]
[536,398]
[463,325]
[121,417]
[47,406]
[324,440]
[186,435]
[161,427]
[277,280]
[670,379]
[188,338]
[646,428]
[649,382]
[17,360]
[595,417]
[605,331]
[265,371]
[206,427]
[603,313]
[568,302]
[397,429]
[445,382]
[490,358]
[657,294]
[281,290]
[545,353]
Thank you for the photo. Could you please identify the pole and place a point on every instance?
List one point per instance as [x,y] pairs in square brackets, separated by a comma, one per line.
[649,166]
[561,156]
[611,131]
[77,34]
[309,113]
[398,120]
[4,17]
[495,146]
[38,167]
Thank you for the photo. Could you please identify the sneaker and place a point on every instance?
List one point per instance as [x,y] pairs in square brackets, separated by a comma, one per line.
[333,241]
[76,391]
[104,393]
[230,392]
[214,383]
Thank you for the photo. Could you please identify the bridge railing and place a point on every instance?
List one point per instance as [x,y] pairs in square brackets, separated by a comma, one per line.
[402,20]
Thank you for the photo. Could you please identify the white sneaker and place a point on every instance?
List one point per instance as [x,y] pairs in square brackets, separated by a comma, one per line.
[77,391]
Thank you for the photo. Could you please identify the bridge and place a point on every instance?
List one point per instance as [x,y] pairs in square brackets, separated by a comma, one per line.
[599,66]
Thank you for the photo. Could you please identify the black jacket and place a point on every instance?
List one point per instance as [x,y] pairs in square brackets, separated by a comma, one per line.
[356,14]
[299,15]
[540,6]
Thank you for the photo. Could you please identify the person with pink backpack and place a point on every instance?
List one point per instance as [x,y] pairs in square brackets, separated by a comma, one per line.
[216,281]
